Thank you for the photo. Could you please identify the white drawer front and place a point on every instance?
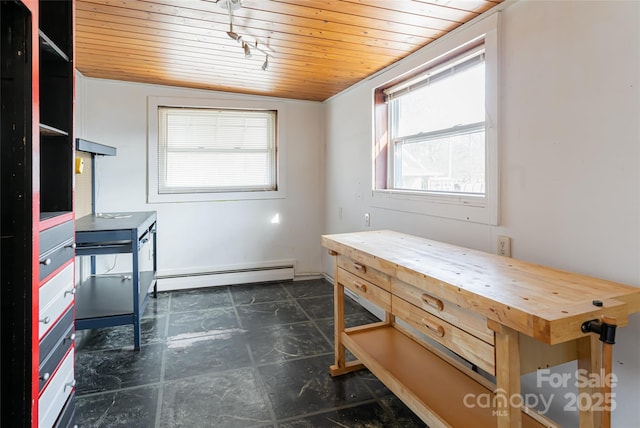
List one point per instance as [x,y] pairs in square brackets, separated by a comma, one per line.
[56,393]
[55,297]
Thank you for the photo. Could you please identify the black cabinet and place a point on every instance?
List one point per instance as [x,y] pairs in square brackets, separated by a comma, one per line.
[16,220]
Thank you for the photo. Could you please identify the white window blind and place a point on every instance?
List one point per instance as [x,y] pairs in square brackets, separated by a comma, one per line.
[216,150]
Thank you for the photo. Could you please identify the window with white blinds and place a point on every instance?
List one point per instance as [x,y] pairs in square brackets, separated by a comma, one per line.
[204,150]
[436,130]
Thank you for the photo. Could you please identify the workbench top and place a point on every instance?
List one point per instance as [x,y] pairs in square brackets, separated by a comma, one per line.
[545,303]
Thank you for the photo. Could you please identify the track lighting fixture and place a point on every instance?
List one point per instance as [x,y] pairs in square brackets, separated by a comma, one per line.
[230,6]
[232,34]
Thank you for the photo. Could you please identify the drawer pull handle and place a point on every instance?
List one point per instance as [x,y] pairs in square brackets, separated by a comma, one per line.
[45,262]
[72,245]
[72,337]
[45,377]
[436,329]
[360,268]
[360,286]
[71,291]
[71,384]
[432,301]
[45,320]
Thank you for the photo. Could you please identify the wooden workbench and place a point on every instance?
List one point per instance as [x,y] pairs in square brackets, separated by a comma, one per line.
[504,316]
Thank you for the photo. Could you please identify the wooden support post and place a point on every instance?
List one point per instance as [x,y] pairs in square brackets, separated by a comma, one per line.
[507,376]
[589,360]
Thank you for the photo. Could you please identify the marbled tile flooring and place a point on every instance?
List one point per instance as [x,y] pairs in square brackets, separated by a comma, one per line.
[253,355]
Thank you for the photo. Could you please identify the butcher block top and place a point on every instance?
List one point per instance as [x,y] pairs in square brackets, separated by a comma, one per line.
[538,301]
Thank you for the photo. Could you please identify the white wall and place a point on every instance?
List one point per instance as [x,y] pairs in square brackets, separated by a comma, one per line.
[207,236]
[569,157]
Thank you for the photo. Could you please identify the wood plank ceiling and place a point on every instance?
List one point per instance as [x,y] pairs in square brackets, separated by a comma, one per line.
[318,47]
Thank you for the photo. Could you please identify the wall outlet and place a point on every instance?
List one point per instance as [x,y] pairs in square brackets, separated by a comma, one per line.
[504,246]
[367,219]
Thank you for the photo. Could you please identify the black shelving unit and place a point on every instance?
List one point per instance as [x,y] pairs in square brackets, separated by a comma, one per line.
[37,289]
[56,107]
[56,373]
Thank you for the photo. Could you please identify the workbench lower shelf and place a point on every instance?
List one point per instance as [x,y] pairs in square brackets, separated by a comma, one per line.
[434,389]
[104,301]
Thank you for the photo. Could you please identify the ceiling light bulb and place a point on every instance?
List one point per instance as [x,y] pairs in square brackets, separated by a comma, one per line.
[247,51]
[265,66]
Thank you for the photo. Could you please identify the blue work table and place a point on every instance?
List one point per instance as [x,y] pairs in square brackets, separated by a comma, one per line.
[115,299]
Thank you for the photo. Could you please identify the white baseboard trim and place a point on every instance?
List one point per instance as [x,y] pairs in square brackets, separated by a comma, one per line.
[307,276]
[188,279]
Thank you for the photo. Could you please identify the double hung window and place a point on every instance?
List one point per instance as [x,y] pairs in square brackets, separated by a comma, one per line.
[436,131]
[437,128]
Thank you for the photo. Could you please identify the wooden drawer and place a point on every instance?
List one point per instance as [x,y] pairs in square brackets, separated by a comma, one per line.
[468,321]
[374,276]
[462,343]
[366,289]
[54,396]
[55,296]
[55,346]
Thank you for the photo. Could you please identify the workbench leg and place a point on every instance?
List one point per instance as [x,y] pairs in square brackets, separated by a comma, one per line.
[338,306]
[338,317]
[507,377]
[589,359]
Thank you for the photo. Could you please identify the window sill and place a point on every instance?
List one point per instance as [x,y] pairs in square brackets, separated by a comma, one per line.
[477,209]
[158,198]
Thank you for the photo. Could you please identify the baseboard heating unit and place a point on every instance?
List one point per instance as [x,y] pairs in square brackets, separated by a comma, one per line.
[192,278]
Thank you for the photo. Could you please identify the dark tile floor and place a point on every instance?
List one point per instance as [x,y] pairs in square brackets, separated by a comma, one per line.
[238,356]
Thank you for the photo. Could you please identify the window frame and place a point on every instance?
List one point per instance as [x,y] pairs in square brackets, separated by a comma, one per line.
[153,194]
[459,206]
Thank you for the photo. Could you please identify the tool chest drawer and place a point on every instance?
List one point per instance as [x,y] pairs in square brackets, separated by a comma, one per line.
[52,400]
[51,261]
[55,296]
[55,346]
[68,415]
[56,247]
[52,237]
